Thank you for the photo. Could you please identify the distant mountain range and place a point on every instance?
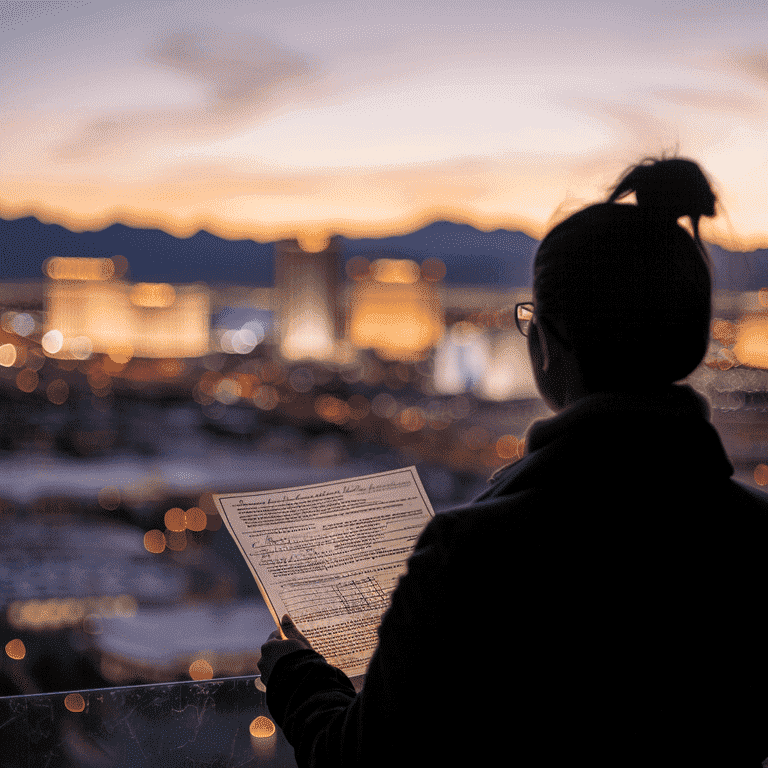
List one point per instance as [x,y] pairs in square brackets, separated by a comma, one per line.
[500,258]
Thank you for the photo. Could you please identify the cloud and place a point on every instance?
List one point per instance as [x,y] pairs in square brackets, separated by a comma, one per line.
[235,69]
[752,62]
[731,102]
[413,185]
[242,77]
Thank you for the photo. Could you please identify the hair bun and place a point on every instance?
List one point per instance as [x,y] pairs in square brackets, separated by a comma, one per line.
[670,188]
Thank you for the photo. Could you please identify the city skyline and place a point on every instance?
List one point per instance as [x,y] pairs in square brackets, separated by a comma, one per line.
[296,119]
[500,258]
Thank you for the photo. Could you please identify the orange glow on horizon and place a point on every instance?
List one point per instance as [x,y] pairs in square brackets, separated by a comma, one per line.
[93,212]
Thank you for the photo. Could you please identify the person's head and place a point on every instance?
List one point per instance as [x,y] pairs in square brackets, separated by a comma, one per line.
[622,293]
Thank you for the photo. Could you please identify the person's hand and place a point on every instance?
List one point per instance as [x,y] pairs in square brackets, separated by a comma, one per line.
[282,641]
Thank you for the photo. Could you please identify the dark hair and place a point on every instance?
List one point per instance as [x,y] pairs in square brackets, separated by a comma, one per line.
[629,287]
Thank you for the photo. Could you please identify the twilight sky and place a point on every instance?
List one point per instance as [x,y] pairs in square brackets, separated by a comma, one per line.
[269,119]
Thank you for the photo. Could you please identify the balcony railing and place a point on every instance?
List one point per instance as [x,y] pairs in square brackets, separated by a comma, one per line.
[213,723]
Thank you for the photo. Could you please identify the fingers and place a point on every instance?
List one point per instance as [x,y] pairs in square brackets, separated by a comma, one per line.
[288,627]
[290,630]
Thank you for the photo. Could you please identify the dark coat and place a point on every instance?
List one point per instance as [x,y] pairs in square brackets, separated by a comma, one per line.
[604,603]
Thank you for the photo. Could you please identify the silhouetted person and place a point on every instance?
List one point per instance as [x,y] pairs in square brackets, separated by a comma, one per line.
[604,602]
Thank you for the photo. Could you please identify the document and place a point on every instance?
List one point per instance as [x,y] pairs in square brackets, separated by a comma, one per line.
[331,554]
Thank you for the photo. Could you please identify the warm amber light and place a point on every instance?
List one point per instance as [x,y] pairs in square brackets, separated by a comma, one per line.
[332,409]
[121,354]
[74,702]
[174,519]
[761,474]
[195,519]
[399,319]
[507,447]
[311,242]
[7,355]
[68,268]
[154,541]
[15,649]
[152,295]
[395,271]
[262,727]
[751,347]
[227,391]
[412,419]
[200,669]
[724,332]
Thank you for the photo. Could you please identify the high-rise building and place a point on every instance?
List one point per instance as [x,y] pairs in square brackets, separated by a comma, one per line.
[310,320]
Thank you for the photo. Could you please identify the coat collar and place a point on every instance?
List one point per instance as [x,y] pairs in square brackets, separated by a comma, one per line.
[675,414]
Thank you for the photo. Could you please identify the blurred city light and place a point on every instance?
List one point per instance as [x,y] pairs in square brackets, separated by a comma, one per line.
[394,311]
[154,394]
[261,727]
[94,313]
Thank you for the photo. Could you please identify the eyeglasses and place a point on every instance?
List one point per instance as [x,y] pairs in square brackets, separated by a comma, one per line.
[524,316]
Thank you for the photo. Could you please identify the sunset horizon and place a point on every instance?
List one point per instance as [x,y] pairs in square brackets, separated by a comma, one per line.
[310,120]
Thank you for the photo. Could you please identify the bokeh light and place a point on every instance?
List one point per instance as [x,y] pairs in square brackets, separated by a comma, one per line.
[266,397]
[27,380]
[7,355]
[195,519]
[332,409]
[23,324]
[200,669]
[154,541]
[507,447]
[74,268]
[52,341]
[761,474]
[15,649]
[175,519]
[159,295]
[262,727]
[74,702]
[81,347]
[433,269]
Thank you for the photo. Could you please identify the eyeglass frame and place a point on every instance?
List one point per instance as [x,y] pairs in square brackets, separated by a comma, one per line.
[533,307]
[517,315]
